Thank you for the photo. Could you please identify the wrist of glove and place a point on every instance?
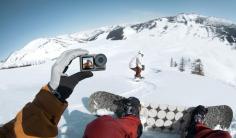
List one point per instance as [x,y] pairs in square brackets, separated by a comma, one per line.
[68,83]
[61,93]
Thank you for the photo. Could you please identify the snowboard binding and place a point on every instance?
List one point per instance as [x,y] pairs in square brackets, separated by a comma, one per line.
[198,116]
[129,106]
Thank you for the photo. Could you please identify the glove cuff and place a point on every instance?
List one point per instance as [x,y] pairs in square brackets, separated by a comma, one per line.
[58,94]
[52,86]
[63,92]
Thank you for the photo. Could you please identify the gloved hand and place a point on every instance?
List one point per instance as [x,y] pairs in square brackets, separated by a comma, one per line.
[60,84]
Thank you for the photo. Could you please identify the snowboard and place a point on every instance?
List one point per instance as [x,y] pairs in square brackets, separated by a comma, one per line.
[138,79]
[162,117]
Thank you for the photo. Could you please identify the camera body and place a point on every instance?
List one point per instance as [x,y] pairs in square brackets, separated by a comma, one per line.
[93,62]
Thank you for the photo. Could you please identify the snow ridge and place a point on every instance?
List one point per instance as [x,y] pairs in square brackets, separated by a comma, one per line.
[43,49]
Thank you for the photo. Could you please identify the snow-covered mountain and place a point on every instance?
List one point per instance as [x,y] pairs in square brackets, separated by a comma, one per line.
[184,25]
[43,49]
[189,35]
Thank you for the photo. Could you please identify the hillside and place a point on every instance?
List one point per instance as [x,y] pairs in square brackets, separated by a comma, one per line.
[186,35]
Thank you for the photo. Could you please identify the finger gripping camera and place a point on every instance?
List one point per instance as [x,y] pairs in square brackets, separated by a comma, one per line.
[93,62]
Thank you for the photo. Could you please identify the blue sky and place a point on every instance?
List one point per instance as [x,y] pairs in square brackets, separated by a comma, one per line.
[24,20]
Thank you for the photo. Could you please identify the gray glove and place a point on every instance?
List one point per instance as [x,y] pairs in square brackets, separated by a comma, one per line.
[60,84]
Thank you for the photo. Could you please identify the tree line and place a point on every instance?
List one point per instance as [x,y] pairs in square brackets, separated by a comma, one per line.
[196,65]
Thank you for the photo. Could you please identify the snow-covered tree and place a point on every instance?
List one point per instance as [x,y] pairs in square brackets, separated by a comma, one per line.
[197,67]
[182,65]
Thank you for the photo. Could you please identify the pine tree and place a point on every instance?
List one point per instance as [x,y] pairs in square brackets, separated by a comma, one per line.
[182,65]
[197,67]
[171,62]
[175,64]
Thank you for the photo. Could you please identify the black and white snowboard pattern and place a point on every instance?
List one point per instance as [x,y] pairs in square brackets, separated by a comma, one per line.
[165,118]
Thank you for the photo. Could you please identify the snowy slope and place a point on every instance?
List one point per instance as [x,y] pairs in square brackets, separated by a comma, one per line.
[156,89]
[19,86]
[43,49]
[185,35]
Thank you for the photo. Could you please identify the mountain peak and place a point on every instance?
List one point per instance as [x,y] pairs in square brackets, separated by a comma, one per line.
[207,20]
[190,15]
[184,24]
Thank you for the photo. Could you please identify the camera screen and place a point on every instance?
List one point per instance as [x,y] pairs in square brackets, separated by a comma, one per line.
[88,63]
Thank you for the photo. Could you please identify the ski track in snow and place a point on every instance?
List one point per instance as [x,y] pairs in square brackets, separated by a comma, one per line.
[152,88]
[143,88]
[133,91]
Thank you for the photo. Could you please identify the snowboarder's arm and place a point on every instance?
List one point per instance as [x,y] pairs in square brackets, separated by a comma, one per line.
[138,62]
[132,63]
[38,118]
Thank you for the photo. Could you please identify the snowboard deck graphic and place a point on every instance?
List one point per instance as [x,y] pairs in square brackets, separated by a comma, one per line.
[164,118]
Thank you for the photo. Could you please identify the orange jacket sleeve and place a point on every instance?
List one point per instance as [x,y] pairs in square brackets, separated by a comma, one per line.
[37,119]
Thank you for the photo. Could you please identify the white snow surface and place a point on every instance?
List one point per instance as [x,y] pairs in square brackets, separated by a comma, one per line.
[162,84]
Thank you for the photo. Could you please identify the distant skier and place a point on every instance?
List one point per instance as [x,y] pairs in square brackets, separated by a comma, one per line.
[136,65]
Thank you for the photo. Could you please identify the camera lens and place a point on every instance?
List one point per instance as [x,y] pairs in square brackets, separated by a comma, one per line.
[100,60]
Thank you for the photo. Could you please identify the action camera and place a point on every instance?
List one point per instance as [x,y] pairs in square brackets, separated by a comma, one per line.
[94,62]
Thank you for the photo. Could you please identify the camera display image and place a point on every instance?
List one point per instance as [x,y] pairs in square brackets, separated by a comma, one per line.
[93,62]
[87,63]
